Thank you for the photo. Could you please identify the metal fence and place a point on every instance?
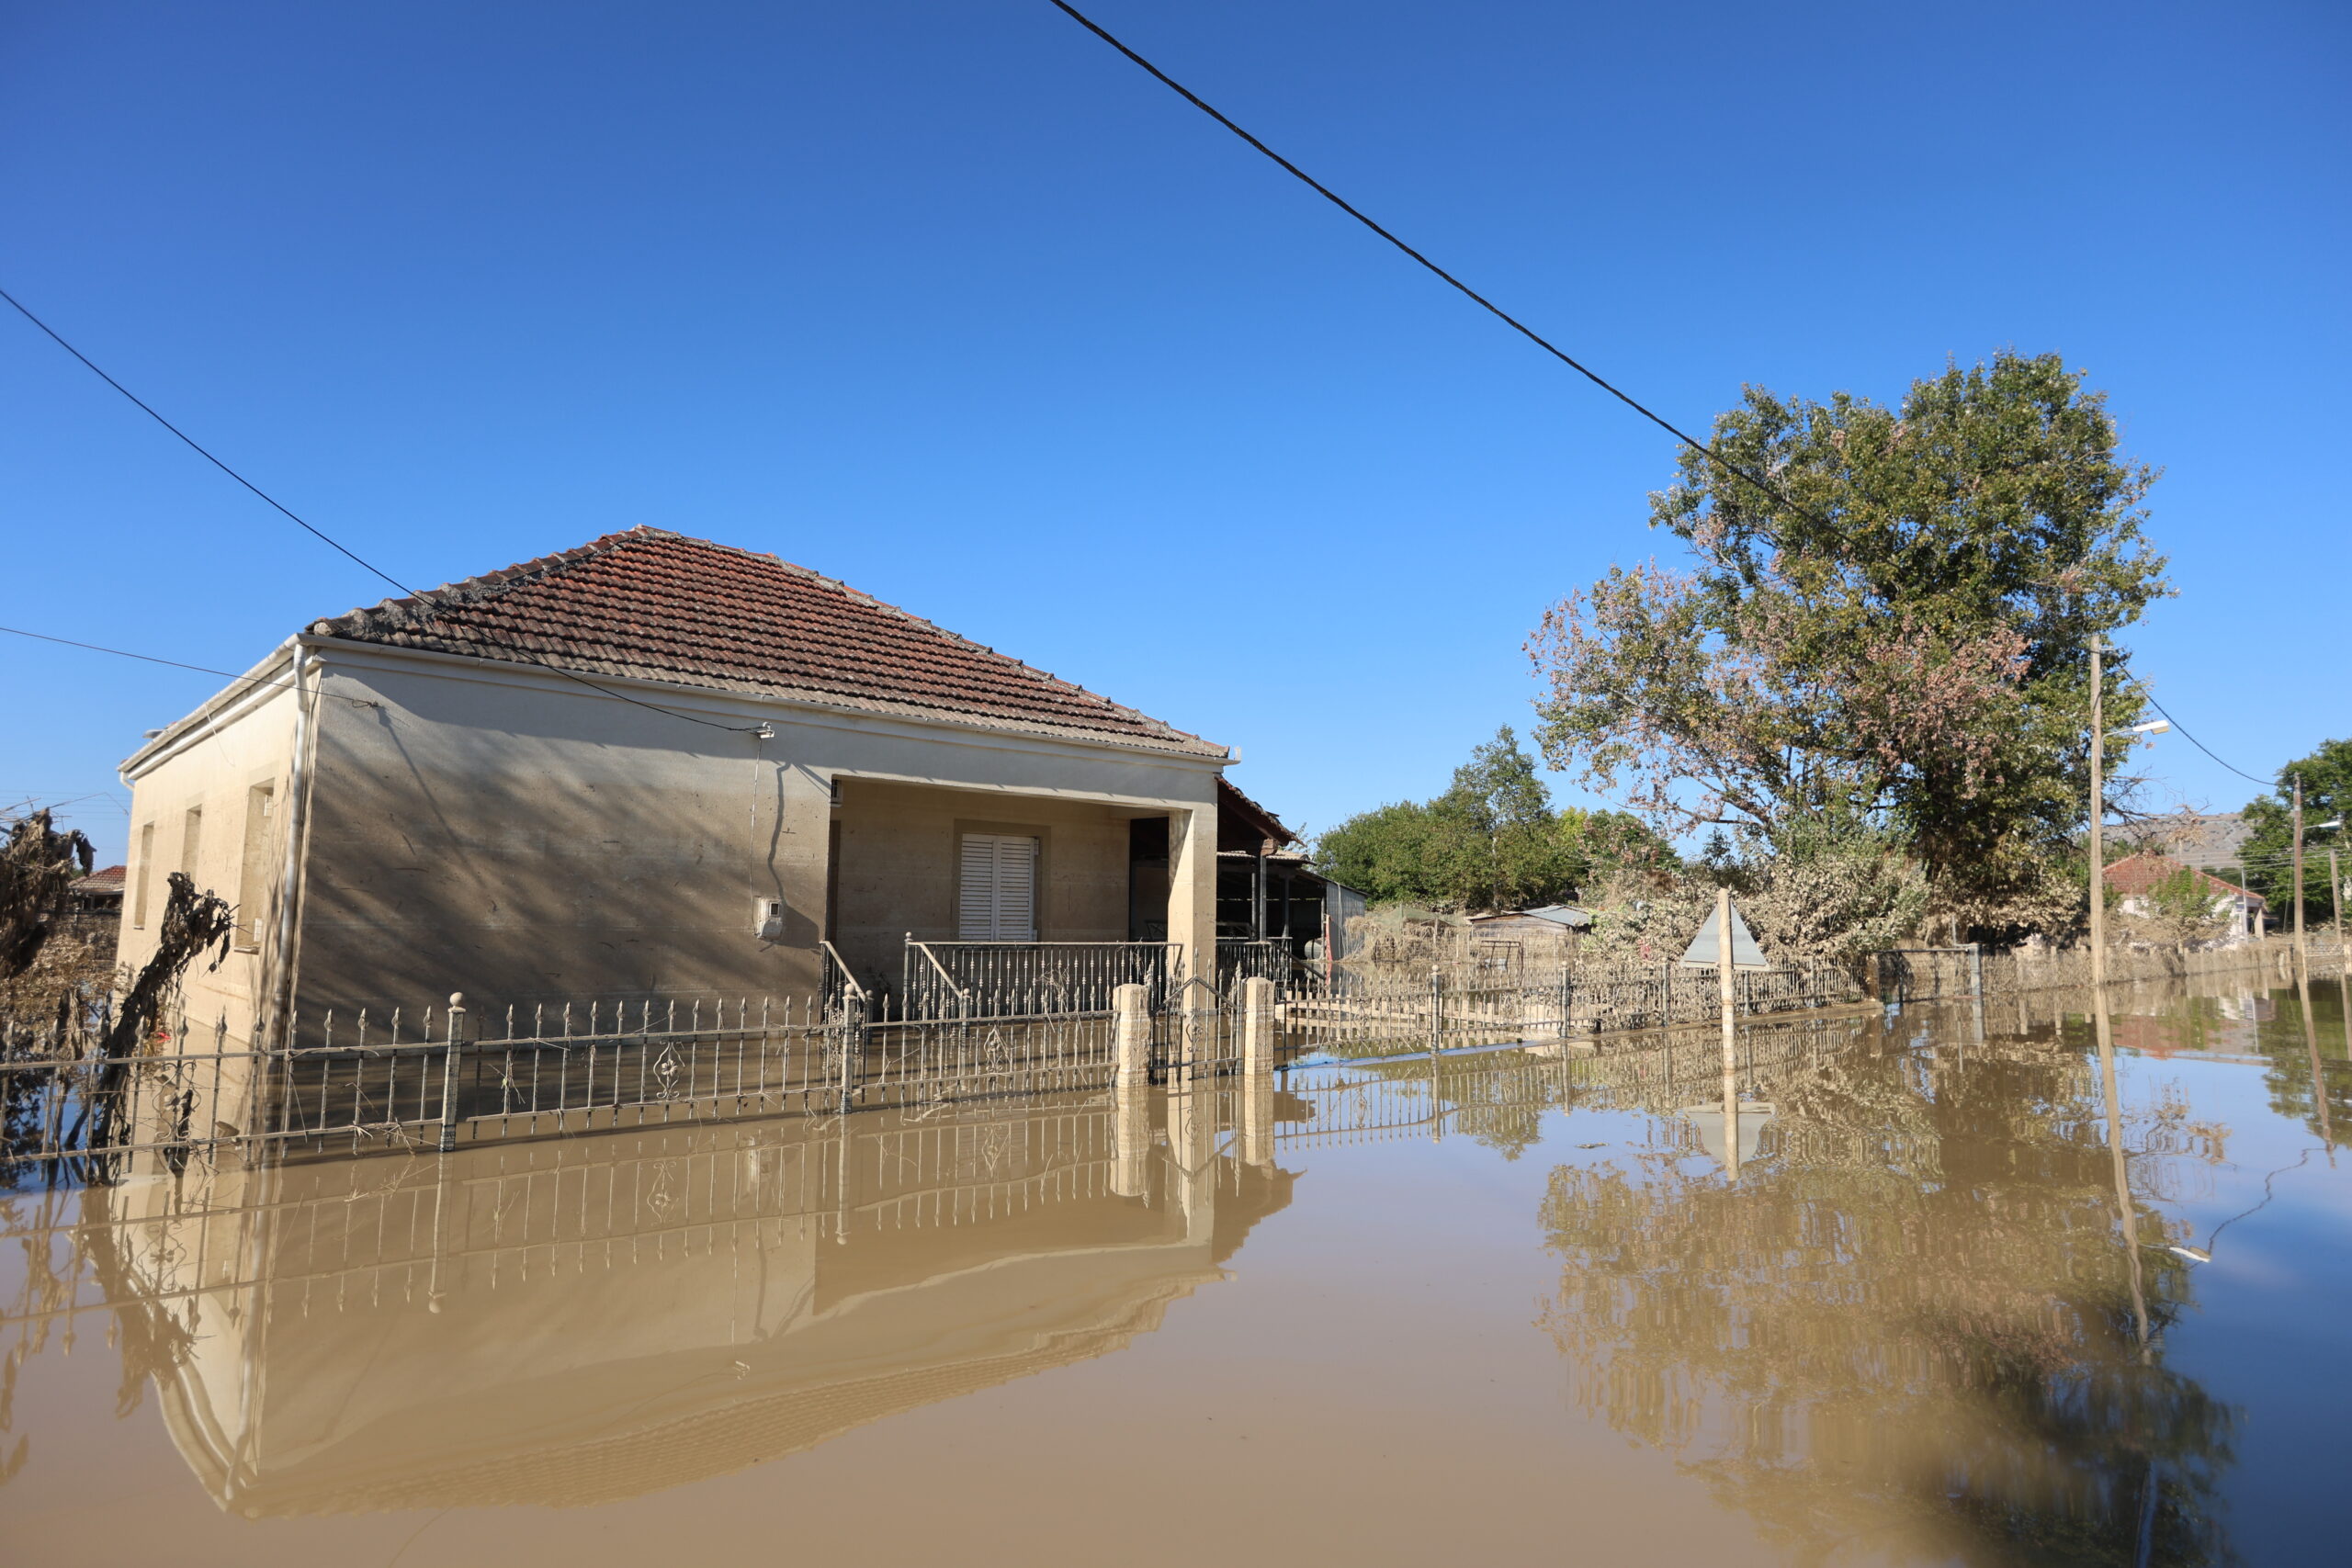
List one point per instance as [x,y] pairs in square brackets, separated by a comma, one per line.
[1254,958]
[1924,974]
[1032,979]
[445,1075]
[1507,1000]
[1501,1093]
[438,1076]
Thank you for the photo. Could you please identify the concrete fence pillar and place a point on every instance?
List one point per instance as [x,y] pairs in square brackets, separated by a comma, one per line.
[1257,1026]
[1258,1119]
[1131,1133]
[1131,1035]
[1192,1155]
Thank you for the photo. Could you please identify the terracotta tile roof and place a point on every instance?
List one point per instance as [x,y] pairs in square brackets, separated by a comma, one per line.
[656,606]
[106,880]
[2140,873]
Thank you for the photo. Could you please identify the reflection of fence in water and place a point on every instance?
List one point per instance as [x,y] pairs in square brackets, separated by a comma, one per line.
[1375,1099]
[534,1210]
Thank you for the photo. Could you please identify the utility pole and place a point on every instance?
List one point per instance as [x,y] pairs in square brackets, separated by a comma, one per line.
[2302,967]
[2335,899]
[2099,812]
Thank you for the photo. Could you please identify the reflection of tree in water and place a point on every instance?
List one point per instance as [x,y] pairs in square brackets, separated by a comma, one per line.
[51,1256]
[2305,1076]
[1913,1320]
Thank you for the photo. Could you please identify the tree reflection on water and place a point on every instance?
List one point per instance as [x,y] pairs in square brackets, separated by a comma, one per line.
[1915,1318]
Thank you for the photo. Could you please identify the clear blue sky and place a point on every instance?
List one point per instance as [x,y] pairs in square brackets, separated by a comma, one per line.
[950,301]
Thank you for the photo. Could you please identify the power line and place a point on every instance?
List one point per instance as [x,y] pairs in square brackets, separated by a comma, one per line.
[2267,783]
[518,654]
[286,686]
[198,449]
[1327,194]
[148,658]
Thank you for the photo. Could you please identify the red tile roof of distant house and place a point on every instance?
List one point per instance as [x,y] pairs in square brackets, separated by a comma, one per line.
[103,882]
[2141,872]
[655,606]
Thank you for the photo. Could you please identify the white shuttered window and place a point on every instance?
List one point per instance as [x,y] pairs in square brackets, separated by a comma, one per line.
[998,888]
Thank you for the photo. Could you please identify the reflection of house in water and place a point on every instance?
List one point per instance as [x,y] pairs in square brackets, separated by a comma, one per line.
[579,1321]
[2247,1007]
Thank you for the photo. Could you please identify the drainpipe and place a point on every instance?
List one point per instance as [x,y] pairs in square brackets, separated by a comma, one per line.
[289,876]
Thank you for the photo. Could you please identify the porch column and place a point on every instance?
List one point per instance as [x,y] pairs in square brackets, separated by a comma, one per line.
[1192,890]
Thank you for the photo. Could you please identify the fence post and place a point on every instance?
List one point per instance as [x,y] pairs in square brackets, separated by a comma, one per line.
[1257,1025]
[852,1048]
[1131,1034]
[1568,998]
[1437,1006]
[449,1071]
[1256,1066]
[1726,1004]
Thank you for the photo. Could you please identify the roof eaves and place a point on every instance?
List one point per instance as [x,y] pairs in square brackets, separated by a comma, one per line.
[1174,743]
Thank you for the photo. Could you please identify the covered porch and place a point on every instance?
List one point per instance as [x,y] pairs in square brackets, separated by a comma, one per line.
[929,883]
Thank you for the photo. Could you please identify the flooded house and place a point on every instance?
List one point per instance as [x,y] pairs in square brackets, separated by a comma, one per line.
[656,765]
[2137,881]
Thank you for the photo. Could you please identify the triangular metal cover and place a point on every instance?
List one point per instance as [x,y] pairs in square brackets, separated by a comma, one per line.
[1745,953]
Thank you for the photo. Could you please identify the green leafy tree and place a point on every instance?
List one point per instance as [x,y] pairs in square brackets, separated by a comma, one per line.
[1492,840]
[1899,637]
[2270,849]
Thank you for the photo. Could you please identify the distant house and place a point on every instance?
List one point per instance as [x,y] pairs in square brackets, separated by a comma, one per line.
[2134,880]
[1550,921]
[98,894]
[655,765]
[1509,939]
[95,905]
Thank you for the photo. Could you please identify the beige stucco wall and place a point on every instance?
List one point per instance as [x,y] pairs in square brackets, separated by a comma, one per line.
[518,836]
[213,766]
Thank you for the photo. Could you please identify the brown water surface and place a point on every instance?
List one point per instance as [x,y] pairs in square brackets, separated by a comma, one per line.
[1507,1306]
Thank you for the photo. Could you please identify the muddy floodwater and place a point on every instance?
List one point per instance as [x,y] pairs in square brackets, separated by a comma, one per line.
[1957,1305]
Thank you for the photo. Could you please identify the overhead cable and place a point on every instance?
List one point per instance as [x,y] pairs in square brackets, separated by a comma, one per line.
[198,449]
[517,654]
[2267,783]
[287,686]
[1327,194]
